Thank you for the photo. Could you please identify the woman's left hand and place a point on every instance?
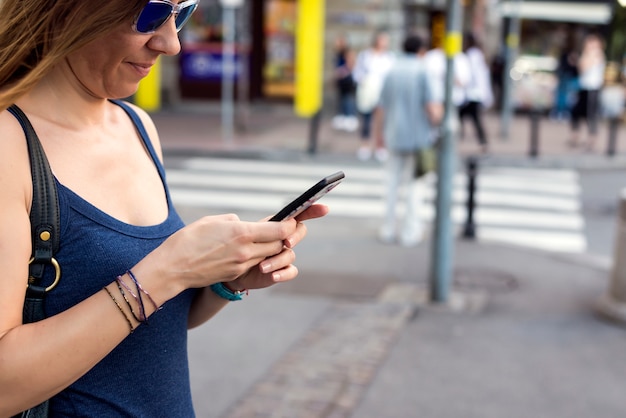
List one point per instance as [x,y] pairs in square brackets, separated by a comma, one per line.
[279,268]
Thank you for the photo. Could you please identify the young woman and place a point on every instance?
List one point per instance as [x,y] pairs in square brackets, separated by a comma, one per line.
[478,93]
[124,252]
[370,70]
[591,67]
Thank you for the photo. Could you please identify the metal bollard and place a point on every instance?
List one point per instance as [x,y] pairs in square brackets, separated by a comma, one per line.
[613,126]
[469,231]
[314,129]
[613,303]
[534,133]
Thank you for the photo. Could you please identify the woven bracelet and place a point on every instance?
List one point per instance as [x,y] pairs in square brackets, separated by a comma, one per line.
[140,290]
[130,324]
[121,285]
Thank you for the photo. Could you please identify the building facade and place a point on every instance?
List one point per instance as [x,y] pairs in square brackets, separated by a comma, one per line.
[266,29]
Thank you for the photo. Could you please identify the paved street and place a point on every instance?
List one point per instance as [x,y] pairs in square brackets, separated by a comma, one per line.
[355,336]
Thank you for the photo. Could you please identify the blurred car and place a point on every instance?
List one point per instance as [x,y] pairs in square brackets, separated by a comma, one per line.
[534,83]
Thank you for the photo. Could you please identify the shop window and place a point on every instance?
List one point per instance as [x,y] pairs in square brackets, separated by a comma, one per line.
[279,68]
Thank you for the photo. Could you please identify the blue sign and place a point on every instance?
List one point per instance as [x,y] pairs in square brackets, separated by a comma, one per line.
[202,65]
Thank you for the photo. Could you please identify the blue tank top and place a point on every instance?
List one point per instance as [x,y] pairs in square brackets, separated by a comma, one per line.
[147,375]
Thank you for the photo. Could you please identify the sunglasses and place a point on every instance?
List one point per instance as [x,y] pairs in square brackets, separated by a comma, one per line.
[157,12]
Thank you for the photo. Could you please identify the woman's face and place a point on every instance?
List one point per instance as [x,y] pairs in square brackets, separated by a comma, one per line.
[113,65]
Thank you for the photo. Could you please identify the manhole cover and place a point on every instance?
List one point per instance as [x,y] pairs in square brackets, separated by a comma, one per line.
[491,281]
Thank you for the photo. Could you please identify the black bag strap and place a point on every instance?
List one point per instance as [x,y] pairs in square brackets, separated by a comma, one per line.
[44,220]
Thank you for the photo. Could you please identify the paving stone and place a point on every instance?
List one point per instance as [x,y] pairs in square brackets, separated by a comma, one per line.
[328,370]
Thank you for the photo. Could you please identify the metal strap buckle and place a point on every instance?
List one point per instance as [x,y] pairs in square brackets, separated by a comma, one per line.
[57,273]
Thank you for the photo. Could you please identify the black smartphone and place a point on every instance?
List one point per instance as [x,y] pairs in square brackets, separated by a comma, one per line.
[306,199]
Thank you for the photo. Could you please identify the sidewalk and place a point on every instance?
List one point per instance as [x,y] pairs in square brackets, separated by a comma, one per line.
[273,131]
[355,335]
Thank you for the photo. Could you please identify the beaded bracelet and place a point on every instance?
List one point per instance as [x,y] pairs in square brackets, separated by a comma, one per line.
[224,292]
[140,319]
[137,297]
[130,324]
[140,290]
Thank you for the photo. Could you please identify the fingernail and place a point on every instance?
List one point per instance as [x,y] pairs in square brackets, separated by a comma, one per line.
[266,266]
[276,277]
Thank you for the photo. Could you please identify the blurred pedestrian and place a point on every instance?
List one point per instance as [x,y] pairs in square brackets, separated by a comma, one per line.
[408,108]
[345,85]
[591,67]
[436,64]
[372,64]
[567,80]
[496,68]
[478,92]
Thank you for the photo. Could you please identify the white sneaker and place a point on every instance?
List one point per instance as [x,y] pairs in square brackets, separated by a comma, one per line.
[411,238]
[364,153]
[387,235]
[381,154]
[413,241]
[338,122]
[351,124]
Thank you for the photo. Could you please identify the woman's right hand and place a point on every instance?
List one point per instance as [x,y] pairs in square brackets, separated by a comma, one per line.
[213,249]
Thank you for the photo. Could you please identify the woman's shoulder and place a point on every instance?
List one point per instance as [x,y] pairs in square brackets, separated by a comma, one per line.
[12,138]
[149,125]
[14,163]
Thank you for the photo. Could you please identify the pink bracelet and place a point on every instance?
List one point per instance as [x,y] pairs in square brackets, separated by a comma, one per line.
[136,296]
[142,290]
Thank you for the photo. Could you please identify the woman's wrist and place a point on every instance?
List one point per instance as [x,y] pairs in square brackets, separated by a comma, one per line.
[234,286]
[161,286]
[224,292]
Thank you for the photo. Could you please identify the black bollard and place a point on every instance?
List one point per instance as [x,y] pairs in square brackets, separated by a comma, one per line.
[469,231]
[534,133]
[613,125]
[314,131]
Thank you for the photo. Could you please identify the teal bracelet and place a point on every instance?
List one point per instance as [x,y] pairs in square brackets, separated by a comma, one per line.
[225,293]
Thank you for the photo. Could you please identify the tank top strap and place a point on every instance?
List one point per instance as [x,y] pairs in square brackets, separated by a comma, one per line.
[142,133]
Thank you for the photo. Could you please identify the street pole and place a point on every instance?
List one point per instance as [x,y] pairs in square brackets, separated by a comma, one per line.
[442,254]
[512,44]
[243,79]
[228,68]
[310,65]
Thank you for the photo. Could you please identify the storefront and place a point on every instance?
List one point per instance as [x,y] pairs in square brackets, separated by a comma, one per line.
[265,46]
[279,32]
[264,51]
[546,25]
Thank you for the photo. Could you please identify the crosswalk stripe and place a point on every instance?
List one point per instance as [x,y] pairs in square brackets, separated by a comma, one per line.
[562,241]
[536,208]
[271,183]
[285,169]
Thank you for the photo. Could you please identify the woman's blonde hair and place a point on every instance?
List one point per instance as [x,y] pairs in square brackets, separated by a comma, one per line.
[35,35]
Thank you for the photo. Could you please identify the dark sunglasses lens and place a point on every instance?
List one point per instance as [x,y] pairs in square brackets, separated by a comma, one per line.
[152,16]
[184,15]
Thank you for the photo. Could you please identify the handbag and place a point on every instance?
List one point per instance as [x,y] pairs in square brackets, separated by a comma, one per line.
[425,161]
[45,228]
[368,93]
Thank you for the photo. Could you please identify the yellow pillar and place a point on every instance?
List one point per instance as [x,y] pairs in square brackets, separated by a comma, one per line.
[309,57]
[148,95]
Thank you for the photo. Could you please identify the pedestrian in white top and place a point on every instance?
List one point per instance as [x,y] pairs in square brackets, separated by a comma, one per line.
[591,66]
[436,64]
[478,93]
[371,66]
